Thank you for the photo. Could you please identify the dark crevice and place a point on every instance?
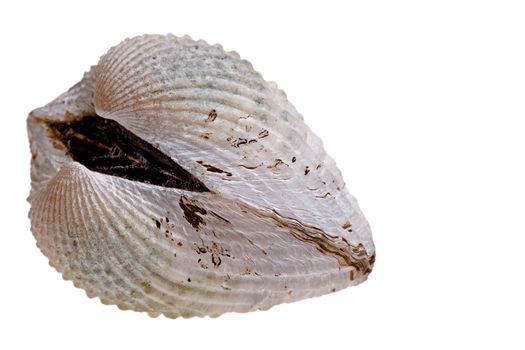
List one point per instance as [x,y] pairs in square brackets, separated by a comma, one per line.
[105,146]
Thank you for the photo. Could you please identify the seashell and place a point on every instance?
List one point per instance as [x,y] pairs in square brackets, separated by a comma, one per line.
[173,179]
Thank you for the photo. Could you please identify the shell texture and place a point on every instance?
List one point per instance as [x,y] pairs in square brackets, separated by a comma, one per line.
[255,213]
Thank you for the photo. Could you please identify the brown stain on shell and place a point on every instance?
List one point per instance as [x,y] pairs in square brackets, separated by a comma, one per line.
[192,213]
[212,116]
[346,254]
[213,169]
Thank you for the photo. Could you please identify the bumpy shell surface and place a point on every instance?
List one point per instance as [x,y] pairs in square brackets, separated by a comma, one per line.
[275,224]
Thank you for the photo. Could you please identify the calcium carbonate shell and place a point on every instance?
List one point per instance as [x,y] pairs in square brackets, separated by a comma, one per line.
[257,215]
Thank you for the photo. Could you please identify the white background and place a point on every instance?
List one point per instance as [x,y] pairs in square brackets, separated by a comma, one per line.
[421,103]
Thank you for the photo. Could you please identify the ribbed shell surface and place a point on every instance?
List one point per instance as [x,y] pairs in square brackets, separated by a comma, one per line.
[277,224]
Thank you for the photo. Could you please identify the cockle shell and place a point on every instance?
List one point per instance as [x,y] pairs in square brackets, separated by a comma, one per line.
[173,179]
